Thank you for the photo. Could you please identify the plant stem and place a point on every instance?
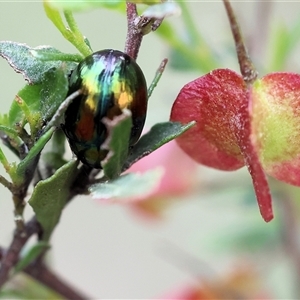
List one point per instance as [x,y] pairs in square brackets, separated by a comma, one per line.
[37,269]
[157,76]
[77,39]
[1,253]
[4,161]
[42,274]
[11,256]
[134,36]
[71,33]
[6,183]
[247,68]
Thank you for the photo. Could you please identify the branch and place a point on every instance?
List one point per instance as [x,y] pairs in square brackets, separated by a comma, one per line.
[1,253]
[40,272]
[137,27]
[37,269]
[247,68]
[11,256]
[134,36]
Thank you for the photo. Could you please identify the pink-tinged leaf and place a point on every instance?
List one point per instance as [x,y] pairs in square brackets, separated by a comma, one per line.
[180,170]
[219,103]
[214,101]
[179,177]
[275,117]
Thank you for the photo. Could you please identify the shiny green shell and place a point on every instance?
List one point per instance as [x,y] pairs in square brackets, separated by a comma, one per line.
[110,81]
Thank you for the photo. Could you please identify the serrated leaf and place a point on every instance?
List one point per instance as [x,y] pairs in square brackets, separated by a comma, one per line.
[54,91]
[127,187]
[158,135]
[31,255]
[50,196]
[41,100]
[22,61]
[117,143]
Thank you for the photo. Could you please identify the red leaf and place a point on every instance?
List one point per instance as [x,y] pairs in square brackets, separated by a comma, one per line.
[219,102]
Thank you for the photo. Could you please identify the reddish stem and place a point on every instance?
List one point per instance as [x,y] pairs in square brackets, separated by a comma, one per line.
[134,35]
[11,256]
[42,274]
[247,68]
[37,269]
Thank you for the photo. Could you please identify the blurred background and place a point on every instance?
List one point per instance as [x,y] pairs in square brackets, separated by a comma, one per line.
[211,237]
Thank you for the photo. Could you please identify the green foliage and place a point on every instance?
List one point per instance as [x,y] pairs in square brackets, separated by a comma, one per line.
[24,166]
[70,32]
[31,128]
[129,186]
[31,255]
[51,195]
[158,135]
[20,58]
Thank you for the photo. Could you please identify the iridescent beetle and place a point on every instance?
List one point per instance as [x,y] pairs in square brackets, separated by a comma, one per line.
[110,81]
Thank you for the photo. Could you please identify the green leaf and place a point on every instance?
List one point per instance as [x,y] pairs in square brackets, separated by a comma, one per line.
[46,56]
[54,15]
[86,4]
[117,143]
[159,135]
[8,130]
[10,138]
[19,56]
[51,195]
[54,91]
[70,32]
[37,103]
[4,161]
[28,164]
[30,94]
[31,255]
[127,187]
